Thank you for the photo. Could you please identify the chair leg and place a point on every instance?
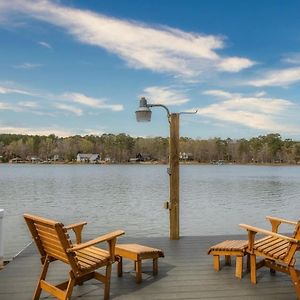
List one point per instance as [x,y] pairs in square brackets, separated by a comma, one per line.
[248,262]
[239,267]
[107,282]
[38,289]
[155,266]
[253,268]
[295,280]
[70,286]
[120,266]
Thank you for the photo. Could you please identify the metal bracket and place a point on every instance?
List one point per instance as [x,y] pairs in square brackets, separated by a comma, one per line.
[167,205]
[169,171]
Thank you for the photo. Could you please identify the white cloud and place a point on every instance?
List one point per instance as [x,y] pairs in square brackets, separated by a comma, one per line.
[19,106]
[36,131]
[92,102]
[6,90]
[254,112]
[217,93]
[27,66]
[9,106]
[164,95]
[161,49]
[293,58]
[260,94]
[44,44]
[28,104]
[283,77]
[69,108]
[235,64]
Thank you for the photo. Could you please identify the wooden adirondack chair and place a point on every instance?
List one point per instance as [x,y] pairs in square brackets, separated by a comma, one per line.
[53,243]
[277,250]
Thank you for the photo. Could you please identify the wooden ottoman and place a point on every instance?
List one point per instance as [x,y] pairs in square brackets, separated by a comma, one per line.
[137,253]
[230,248]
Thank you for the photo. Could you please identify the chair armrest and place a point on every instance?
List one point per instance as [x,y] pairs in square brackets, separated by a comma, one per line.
[72,226]
[267,232]
[275,222]
[104,238]
[77,228]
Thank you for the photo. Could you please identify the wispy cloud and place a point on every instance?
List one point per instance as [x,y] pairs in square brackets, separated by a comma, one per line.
[235,64]
[36,131]
[293,58]
[28,104]
[44,44]
[280,77]
[9,106]
[19,106]
[218,93]
[165,95]
[157,48]
[8,90]
[261,113]
[260,94]
[69,108]
[27,66]
[92,102]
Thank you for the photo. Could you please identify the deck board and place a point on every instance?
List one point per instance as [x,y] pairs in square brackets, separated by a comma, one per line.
[186,272]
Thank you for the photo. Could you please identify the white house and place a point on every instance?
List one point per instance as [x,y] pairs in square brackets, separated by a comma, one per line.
[88,158]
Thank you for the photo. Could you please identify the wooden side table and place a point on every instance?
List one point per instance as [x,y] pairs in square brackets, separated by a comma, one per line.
[137,253]
[230,248]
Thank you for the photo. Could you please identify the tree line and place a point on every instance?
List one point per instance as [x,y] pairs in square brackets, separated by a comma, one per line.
[270,148]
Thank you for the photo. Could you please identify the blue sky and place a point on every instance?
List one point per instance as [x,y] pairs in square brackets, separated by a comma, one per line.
[79,67]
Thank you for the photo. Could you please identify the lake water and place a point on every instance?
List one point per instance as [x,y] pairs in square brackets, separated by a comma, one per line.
[214,199]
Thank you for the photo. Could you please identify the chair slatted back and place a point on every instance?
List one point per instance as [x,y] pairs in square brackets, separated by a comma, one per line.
[292,248]
[50,237]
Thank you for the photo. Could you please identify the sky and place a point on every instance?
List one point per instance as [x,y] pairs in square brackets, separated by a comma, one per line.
[80,67]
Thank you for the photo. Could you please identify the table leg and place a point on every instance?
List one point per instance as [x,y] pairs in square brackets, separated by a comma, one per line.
[227,260]
[239,267]
[216,260]
[138,271]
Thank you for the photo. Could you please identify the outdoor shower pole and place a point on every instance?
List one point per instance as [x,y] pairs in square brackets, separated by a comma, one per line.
[143,114]
[174,176]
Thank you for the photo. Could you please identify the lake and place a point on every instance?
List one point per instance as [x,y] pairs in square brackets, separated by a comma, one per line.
[214,199]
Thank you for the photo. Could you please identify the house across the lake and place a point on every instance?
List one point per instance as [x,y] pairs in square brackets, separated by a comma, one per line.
[88,158]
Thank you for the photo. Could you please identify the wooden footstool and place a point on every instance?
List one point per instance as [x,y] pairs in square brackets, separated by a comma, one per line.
[137,253]
[230,248]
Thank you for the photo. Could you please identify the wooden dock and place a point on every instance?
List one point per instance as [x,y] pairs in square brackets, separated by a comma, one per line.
[186,272]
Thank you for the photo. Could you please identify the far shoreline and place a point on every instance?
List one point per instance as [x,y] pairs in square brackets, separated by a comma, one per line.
[275,164]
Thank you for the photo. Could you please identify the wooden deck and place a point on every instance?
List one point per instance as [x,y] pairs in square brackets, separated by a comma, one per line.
[186,272]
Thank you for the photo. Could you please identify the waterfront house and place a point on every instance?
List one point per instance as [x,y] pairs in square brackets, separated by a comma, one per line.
[88,158]
[140,157]
[35,160]
[186,156]
[16,160]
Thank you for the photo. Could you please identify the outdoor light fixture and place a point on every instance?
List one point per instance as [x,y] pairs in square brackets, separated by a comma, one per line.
[143,114]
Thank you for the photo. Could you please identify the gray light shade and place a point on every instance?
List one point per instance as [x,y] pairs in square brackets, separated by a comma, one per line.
[143,114]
